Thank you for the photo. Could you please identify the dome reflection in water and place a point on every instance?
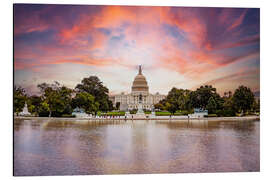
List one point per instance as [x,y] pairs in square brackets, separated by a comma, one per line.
[43,147]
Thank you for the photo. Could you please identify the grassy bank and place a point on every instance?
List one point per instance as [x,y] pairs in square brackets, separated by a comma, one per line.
[121,113]
[165,113]
[248,118]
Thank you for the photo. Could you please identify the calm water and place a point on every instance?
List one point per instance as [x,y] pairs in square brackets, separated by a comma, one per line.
[84,147]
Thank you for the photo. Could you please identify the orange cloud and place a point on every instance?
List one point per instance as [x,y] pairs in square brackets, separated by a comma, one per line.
[86,61]
[144,26]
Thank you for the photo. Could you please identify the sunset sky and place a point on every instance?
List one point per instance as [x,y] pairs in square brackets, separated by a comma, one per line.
[176,46]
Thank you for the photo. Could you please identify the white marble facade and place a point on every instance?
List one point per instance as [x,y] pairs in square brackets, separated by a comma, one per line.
[140,87]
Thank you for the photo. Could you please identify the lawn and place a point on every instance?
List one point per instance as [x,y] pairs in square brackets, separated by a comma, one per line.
[121,113]
[161,113]
[166,113]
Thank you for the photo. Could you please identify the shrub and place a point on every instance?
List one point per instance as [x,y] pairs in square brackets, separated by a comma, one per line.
[162,113]
[121,113]
[68,116]
[225,113]
[219,113]
[211,115]
[166,113]
[43,114]
[133,111]
[229,112]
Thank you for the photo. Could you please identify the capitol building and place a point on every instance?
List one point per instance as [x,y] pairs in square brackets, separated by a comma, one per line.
[139,90]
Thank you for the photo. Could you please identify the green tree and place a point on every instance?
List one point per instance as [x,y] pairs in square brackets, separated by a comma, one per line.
[96,108]
[228,107]
[172,108]
[159,106]
[178,98]
[86,101]
[95,87]
[44,109]
[200,97]
[57,97]
[172,104]
[34,104]
[256,106]
[183,99]
[212,105]
[194,99]
[162,104]
[243,98]
[49,96]
[19,99]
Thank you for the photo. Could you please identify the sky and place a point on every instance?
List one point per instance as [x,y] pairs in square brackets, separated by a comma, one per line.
[181,47]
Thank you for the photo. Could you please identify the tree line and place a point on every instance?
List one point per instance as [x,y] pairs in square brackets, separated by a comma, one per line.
[57,100]
[207,98]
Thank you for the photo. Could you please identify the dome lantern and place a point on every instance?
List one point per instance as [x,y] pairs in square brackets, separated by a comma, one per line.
[140,83]
[140,69]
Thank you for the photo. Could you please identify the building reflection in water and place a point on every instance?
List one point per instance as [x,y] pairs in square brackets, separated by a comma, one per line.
[115,147]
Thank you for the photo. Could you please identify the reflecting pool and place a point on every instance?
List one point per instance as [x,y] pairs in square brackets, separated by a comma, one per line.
[70,147]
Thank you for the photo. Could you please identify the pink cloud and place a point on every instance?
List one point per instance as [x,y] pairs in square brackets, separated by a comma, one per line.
[238,21]
[142,31]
